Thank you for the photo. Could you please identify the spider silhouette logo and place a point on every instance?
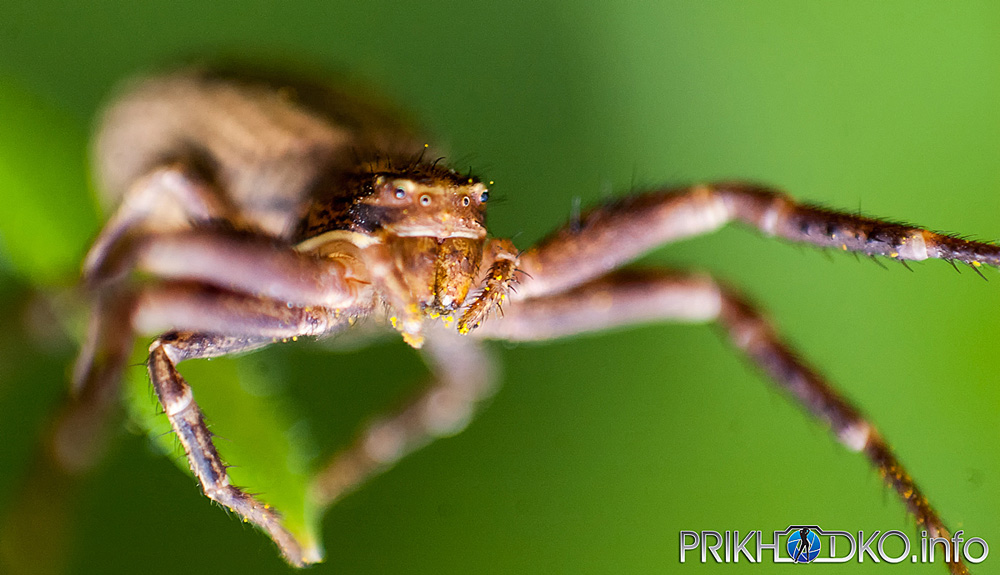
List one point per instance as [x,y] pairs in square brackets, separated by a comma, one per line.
[803,545]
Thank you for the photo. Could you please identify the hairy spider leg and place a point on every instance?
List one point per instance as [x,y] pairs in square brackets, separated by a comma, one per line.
[464,374]
[630,297]
[153,233]
[168,197]
[195,316]
[500,262]
[615,233]
[243,288]
[186,419]
[214,322]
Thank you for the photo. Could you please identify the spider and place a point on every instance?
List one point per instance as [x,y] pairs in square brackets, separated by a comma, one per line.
[259,208]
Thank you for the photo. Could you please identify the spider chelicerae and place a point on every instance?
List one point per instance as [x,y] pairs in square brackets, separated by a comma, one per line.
[255,208]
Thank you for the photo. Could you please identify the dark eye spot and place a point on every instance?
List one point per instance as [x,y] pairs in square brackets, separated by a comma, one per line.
[425,200]
[466,201]
[400,193]
[485,196]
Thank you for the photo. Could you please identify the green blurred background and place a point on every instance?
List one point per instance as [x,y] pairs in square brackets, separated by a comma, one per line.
[598,450]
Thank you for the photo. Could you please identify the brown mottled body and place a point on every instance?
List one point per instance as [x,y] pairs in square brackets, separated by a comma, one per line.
[266,142]
[254,209]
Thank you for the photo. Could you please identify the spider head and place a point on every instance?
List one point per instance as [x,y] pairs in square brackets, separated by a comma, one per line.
[440,205]
[434,226]
[421,233]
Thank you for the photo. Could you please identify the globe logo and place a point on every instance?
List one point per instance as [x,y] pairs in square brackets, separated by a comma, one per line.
[803,545]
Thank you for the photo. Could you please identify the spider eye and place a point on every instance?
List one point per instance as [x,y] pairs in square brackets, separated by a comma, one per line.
[466,201]
[400,193]
[485,196]
[425,200]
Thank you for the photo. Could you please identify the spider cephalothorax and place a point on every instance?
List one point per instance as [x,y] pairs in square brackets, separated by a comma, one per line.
[330,232]
[420,232]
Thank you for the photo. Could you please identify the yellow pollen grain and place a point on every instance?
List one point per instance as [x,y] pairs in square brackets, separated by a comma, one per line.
[393,320]
[976,264]
[894,255]
[843,247]
[295,338]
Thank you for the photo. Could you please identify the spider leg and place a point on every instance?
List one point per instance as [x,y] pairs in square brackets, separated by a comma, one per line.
[501,273]
[464,375]
[240,261]
[195,317]
[186,419]
[168,197]
[178,199]
[232,261]
[202,321]
[630,297]
[77,436]
[186,306]
[612,234]
[229,260]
